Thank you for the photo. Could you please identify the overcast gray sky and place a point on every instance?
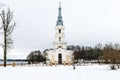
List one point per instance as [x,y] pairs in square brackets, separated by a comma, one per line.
[87,22]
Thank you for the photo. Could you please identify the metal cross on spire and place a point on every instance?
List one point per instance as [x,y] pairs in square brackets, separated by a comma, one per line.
[60,4]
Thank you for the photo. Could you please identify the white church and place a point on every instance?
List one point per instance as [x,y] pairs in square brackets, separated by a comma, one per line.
[60,55]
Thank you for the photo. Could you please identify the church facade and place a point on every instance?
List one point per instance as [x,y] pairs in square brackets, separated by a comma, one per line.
[60,55]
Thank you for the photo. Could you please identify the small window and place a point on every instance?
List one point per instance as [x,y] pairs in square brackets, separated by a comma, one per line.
[59,30]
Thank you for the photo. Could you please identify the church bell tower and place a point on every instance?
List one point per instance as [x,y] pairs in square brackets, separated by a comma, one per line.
[59,29]
[60,55]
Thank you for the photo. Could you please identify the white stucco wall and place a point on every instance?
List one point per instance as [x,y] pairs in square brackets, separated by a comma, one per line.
[60,47]
[64,53]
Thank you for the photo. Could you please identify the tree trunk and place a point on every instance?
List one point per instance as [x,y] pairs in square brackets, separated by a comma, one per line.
[7,27]
[5,51]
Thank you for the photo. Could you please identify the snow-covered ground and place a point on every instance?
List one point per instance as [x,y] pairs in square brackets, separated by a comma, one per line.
[89,72]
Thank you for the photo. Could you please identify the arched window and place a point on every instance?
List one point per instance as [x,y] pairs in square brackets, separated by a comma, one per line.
[59,30]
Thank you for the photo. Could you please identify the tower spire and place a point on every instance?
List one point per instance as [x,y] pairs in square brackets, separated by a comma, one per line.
[59,20]
[60,4]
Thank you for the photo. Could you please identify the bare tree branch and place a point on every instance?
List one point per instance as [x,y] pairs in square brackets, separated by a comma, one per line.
[10,29]
[7,28]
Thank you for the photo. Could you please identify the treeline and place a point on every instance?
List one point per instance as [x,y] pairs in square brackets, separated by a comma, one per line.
[92,53]
[35,57]
[86,52]
[107,54]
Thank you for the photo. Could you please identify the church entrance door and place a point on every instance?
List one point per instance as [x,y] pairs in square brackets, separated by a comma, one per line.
[59,58]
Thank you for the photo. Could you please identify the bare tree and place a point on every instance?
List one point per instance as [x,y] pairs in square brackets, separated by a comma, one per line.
[111,56]
[7,27]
